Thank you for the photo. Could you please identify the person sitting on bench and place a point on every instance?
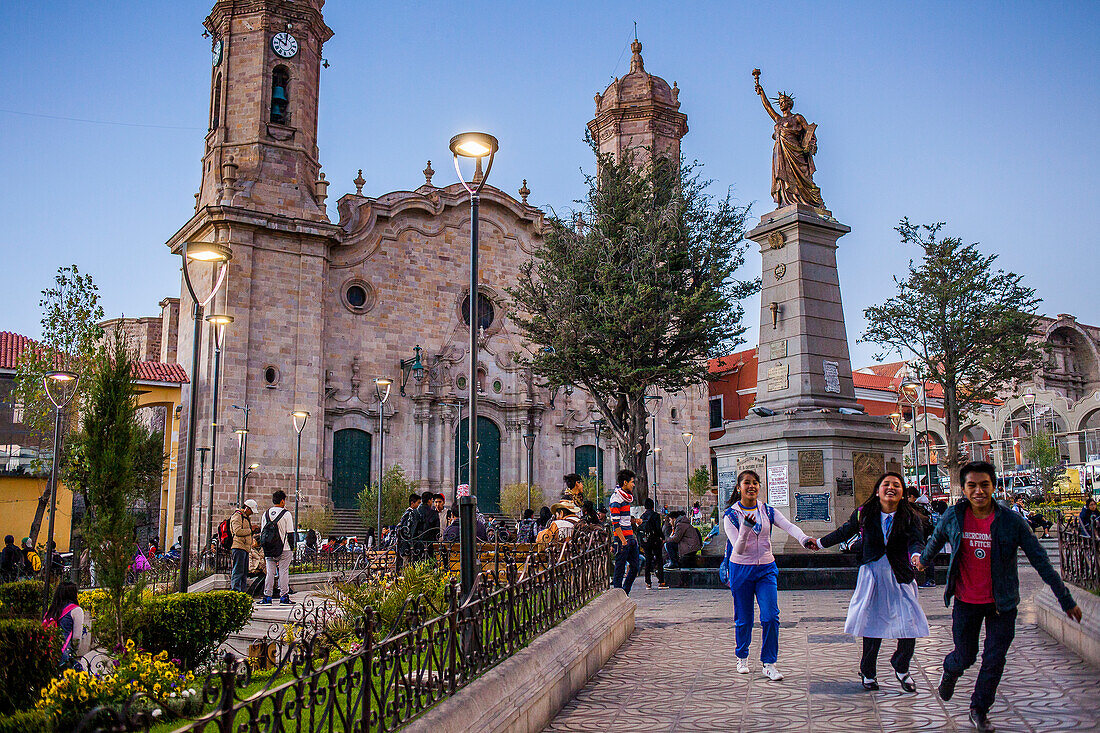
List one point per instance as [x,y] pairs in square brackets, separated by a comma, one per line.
[684,541]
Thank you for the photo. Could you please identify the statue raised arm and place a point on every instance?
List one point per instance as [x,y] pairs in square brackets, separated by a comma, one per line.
[793,155]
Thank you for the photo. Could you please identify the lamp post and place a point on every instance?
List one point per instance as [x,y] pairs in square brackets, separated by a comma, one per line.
[476,145]
[686,436]
[242,443]
[652,407]
[529,442]
[382,392]
[211,252]
[64,384]
[910,392]
[219,322]
[412,366]
[248,473]
[203,450]
[298,428]
[597,428]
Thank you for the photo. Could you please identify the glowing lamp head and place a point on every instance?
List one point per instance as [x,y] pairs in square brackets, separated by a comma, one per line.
[473,144]
[686,437]
[208,252]
[219,319]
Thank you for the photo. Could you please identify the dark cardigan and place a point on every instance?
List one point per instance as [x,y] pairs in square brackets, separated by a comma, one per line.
[906,538]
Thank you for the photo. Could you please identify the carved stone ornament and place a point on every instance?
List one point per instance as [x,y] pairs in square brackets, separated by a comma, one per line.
[777,240]
[780,271]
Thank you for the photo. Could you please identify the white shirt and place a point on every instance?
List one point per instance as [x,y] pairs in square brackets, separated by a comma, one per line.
[286,524]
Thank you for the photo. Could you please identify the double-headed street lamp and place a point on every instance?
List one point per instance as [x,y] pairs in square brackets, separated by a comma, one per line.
[382,392]
[910,390]
[60,389]
[302,416]
[219,321]
[475,145]
[219,254]
[242,447]
[686,436]
[529,442]
[652,407]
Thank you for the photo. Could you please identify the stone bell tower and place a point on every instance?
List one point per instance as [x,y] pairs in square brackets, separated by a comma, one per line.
[261,148]
[262,195]
[639,111]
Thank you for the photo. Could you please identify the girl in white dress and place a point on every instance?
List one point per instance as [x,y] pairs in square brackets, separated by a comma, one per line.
[885,605]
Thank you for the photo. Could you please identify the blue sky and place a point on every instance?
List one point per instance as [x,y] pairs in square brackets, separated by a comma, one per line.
[983,115]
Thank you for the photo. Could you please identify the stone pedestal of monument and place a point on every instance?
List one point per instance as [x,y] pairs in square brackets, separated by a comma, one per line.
[817,453]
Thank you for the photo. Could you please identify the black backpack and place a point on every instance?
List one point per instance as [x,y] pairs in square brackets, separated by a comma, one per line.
[270,540]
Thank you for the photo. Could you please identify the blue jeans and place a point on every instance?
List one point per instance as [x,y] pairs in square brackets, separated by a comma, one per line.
[238,579]
[625,556]
[966,625]
[761,582]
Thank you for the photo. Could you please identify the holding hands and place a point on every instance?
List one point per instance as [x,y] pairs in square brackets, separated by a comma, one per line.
[811,544]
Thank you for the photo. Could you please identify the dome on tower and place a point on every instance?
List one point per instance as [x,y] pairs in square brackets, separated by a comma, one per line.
[638,87]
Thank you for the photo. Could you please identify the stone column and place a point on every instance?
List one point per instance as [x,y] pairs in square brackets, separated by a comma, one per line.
[448,413]
[436,468]
[422,416]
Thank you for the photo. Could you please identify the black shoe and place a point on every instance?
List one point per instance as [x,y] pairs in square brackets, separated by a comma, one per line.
[906,681]
[980,721]
[946,687]
[869,683]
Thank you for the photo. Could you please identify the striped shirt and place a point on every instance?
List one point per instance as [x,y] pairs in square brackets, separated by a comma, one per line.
[620,512]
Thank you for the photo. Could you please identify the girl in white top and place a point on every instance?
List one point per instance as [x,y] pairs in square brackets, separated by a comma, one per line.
[750,563]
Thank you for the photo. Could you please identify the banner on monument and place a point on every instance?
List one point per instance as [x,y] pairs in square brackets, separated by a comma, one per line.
[778,486]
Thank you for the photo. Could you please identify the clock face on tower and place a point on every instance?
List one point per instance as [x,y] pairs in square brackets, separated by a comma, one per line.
[284,44]
[217,52]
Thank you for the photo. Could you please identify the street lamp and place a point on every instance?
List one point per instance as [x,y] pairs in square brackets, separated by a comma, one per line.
[248,473]
[219,321]
[476,145]
[219,254]
[414,366]
[298,428]
[242,446]
[382,392]
[652,407]
[597,428]
[60,389]
[910,390]
[686,436]
[529,442]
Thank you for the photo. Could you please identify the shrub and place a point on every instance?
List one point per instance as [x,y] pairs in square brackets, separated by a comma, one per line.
[25,721]
[21,599]
[190,626]
[29,657]
[513,498]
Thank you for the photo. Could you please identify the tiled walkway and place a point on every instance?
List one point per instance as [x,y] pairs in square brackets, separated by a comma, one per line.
[676,673]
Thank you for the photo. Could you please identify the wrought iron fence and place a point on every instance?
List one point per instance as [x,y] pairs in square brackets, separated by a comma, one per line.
[379,679]
[1079,549]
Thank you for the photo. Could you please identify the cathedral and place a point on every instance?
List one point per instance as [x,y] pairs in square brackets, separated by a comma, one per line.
[325,302]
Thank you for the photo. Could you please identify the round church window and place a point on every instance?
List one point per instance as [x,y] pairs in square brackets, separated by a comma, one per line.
[486,312]
[461,382]
[497,386]
[357,296]
[271,376]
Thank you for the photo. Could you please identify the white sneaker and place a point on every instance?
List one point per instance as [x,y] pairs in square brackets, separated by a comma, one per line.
[772,673]
[742,666]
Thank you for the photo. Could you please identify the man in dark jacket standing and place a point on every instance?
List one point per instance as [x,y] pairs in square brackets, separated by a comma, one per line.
[982,577]
[427,522]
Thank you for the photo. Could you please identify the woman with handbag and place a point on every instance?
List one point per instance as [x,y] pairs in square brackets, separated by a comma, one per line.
[885,605]
[751,571]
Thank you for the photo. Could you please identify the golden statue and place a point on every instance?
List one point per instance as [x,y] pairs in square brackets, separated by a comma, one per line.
[793,156]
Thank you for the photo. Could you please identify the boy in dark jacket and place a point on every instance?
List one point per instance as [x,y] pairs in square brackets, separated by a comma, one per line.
[982,577]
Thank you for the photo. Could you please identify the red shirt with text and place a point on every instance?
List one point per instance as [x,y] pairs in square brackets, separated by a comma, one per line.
[975,582]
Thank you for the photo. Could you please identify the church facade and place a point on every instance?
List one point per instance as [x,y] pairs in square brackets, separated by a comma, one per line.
[323,305]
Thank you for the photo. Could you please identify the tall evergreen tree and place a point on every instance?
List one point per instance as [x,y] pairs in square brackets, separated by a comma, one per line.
[961,324]
[640,296]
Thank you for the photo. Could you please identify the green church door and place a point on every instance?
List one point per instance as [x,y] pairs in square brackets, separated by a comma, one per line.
[350,466]
[586,461]
[488,462]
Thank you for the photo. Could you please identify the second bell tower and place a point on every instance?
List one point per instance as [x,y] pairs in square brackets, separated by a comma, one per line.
[261,148]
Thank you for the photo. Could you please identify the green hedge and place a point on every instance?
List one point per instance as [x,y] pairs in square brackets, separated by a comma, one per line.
[21,599]
[26,721]
[190,626]
[29,658]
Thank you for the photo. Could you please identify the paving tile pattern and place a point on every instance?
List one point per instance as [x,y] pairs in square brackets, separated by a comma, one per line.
[677,673]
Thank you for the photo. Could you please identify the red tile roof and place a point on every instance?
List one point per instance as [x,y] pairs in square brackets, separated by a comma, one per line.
[726,363]
[874,381]
[13,344]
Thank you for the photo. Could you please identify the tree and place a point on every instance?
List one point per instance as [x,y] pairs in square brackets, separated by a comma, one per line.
[1042,454]
[699,483]
[640,297]
[964,325]
[71,341]
[396,488]
[114,473]
[513,499]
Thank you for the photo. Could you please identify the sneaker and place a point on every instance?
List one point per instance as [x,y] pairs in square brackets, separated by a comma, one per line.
[742,666]
[669,566]
[649,586]
[906,681]
[980,721]
[266,601]
[869,683]
[946,686]
[662,586]
[285,600]
[772,673]
[928,584]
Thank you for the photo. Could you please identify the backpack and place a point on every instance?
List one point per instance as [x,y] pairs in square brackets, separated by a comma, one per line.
[225,536]
[270,540]
[54,623]
[34,560]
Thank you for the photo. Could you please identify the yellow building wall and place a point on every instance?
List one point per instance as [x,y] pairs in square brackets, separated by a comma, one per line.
[18,502]
[169,396]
